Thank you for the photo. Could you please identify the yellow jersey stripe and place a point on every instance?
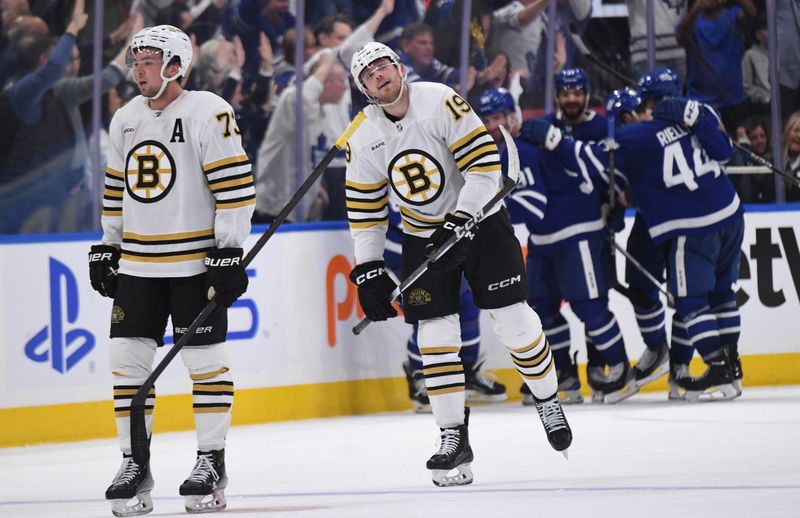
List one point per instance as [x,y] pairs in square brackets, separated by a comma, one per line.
[224,162]
[469,136]
[209,232]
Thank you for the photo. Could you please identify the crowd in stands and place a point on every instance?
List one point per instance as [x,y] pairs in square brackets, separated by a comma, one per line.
[245,51]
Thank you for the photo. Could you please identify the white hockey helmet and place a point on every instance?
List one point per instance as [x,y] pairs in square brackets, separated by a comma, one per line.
[370,52]
[171,41]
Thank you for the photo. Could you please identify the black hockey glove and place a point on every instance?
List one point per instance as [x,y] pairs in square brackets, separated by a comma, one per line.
[374,289]
[103,267]
[678,110]
[541,133]
[457,254]
[226,275]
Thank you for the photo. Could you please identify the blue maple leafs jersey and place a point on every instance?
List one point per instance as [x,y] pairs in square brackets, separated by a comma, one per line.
[558,202]
[674,173]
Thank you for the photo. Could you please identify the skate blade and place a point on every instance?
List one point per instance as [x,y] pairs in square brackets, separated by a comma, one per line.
[661,371]
[459,476]
[621,394]
[206,503]
[725,392]
[136,506]
[570,397]
[477,397]
[597,396]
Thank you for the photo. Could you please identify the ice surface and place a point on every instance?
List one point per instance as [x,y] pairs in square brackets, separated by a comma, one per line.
[646,457]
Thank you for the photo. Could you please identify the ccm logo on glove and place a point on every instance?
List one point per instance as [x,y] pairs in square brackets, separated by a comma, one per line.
[372,274]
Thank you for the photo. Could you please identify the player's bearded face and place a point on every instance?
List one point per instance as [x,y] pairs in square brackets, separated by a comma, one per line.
[382,80]
[571,101]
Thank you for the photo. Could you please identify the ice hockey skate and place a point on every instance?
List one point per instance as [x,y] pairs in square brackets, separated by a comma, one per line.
[204,489]
[569,384]
[481,388]
[129,492]
[715,384]
[653,364]
[612,386]
[451,465]
[559,434]
[736,365]
[417,391]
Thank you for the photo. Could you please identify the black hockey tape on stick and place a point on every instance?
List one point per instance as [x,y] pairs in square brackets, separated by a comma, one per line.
[584,50]
[509,183]
[766,163]
[140,442]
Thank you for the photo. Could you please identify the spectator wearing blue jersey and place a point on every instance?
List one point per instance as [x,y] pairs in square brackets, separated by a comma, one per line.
[567,251]
[712,36]
[388,32]
[691,212]
[247,18]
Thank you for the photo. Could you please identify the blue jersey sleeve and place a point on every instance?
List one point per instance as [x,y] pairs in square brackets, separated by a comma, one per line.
[716,142]
[528,202]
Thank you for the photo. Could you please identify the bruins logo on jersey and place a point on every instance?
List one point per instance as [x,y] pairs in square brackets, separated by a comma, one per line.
[149,171]
[416,177]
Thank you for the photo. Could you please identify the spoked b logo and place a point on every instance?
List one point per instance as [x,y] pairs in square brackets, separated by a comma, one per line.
[55,342]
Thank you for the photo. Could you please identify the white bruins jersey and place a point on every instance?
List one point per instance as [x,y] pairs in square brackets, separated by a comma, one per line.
[177,183]
[423,161]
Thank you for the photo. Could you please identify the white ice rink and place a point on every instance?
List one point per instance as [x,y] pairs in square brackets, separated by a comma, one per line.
[643,458]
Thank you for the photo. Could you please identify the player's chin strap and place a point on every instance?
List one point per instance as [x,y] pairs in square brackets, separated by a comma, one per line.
[396,99]
[165,81]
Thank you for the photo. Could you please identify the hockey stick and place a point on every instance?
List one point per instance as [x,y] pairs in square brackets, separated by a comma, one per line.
[643,270]
[140,442]
[766,163]
[509,183]
[584,50]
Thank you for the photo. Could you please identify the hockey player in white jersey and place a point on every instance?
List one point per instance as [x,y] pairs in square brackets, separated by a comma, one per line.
[424,146]
[177,204]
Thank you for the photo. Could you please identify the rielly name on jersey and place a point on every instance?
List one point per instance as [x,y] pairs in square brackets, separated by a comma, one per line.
[178,183]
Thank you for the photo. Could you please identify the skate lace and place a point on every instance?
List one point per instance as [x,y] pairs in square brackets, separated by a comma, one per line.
[202,469]
[449,441]
[127,472]
[551,415]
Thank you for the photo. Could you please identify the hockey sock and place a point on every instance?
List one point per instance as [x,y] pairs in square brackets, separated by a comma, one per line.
[681,350]
[440,342]
[729,320]
[651,323]
[212,394]
[556,329]
[131,361]
[700,323]
[518,328]
[469,319]
[602,327]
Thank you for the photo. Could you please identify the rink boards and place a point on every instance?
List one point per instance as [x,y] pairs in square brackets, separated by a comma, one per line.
[292,353]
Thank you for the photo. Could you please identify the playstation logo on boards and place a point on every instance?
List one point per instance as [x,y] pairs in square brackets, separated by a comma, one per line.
[56,342]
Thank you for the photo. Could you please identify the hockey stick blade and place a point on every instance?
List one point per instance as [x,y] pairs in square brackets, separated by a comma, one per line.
[766,163]
[140,442]
[509,183]
[577,39]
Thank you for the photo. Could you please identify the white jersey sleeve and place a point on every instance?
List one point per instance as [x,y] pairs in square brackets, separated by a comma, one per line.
[367,202]
[230,177]
[114,186]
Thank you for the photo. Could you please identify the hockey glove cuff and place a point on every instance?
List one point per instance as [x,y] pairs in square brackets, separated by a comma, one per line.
[103,267]
[375,288]
[225,275]
[541,133]
[454,224]
[678,110]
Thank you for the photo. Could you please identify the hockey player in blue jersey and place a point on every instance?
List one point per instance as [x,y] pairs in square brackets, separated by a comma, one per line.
[567,253]
[479,387]
[692,214]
